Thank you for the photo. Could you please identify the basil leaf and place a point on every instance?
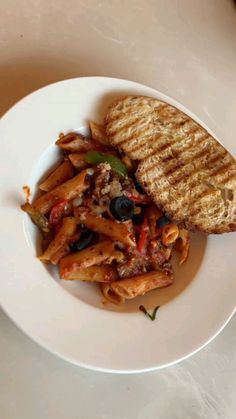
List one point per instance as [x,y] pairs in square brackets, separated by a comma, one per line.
[116,164]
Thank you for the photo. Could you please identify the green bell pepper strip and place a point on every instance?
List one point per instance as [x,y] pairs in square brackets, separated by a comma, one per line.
[116,164]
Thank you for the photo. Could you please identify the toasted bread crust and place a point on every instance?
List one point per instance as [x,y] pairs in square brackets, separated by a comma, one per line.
[186,171]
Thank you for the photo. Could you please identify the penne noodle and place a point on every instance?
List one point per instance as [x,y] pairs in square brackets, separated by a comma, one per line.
[170,233]
[182,245]
[98,133]
[64,250]
[138,285]
[122,232]
[39,219]
[130,164]
[76,142]
[110,295]
[63,236]
[126,247]
[153,213]
[60,175]
[184,254]
[61,253]
[103,252]
[78,161]
[104,273]
[68,190]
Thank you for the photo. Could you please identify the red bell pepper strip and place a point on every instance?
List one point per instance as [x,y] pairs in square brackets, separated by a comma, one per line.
[138,199]
[143,236]
[58,211]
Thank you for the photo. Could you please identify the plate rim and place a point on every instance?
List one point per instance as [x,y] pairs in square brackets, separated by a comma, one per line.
[47,346]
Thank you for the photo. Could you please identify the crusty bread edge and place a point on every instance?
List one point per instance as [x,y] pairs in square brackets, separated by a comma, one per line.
[185,224]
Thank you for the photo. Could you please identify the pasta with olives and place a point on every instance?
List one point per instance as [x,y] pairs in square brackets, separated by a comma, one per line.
[99,226]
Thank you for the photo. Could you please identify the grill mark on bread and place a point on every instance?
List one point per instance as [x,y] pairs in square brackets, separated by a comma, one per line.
[192,130]
[143,144]
[133,116]
[162,116]
[161,107]
[140,133]
[179,140]
[229,178]
[197,156]
[180,124]
[141,127]
[218,156]
[192,185]
[167,158]
[173,169]
[164,147]
[177,165]
[132,137]
[182,167]
[156,147]
[139,147]
[134,109]
[194,212]
[152,146]
[195,170]
[203,194]
[222,169]
[184,163]
[125,125]
[116,116]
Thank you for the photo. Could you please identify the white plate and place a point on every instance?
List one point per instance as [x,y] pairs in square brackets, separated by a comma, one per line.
[68,318]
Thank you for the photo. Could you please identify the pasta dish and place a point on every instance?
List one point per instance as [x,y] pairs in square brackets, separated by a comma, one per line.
[98,224]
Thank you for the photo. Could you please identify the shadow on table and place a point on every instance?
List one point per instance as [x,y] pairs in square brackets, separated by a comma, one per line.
[20,77]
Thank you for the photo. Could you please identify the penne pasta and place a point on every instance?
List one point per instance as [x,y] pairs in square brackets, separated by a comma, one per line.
[110,295]
[182,245]
[98,133]
[99,225]
[78,161]
[170,233]
[60,175]
[76,142]
[105,273]
[130,164]
[153,213]
[63,236]
[122,232]
[103,252]
[138,285]
[39,219]
[68,190]
[61,253]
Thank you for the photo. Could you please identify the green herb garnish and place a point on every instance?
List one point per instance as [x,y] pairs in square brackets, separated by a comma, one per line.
[151,316]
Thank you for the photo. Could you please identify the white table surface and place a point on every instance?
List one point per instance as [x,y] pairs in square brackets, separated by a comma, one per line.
[186,49]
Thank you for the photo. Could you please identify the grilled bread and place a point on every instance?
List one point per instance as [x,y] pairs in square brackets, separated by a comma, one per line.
[188,174]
